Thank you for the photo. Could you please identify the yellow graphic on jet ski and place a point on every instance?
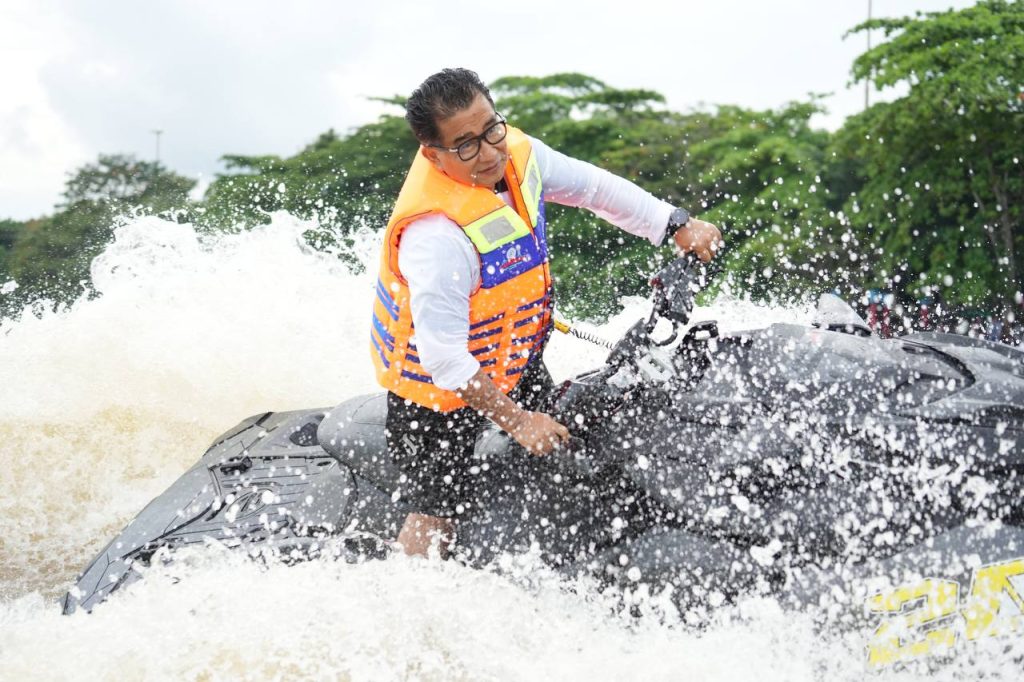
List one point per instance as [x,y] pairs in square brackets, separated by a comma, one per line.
[927,618]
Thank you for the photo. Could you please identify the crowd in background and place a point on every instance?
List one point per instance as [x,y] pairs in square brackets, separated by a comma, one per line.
[889,316]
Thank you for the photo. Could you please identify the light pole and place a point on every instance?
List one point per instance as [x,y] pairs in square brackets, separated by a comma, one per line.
[867,81]
[158,133]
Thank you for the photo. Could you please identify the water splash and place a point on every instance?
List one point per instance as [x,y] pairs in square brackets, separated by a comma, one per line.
[107,401]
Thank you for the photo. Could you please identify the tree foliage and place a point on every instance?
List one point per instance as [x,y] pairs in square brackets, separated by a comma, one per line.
[126,182]
[50,258]
[9,231]
[764,177]
[942,196]
[341,182]
[925,191]
[616,129]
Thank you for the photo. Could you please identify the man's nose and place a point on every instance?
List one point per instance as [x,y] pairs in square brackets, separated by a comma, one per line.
[488,152]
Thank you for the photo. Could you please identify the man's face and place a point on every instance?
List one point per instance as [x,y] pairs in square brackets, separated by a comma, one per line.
[486,168]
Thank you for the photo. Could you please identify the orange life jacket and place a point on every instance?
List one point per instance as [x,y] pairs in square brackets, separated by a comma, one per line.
[510,313]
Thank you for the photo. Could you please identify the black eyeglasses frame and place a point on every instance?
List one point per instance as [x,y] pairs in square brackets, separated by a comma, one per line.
[476,140]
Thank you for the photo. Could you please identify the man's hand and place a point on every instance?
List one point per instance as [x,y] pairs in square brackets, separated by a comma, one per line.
[537,432]
[700,238]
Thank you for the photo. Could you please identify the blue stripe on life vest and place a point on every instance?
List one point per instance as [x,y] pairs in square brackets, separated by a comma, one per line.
[389,304]
[481,323]
[542,338]
[540,300]
[389,340]
[516,370]
[485,349]
[376,344]
[484,334]
[412,358]
[525,339]
[417,377]
[542,228]
[529,320]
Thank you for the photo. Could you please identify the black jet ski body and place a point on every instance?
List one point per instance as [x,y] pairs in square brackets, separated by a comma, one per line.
[819,464]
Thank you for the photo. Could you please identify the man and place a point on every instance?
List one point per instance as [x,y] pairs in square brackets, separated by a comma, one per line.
[463,301]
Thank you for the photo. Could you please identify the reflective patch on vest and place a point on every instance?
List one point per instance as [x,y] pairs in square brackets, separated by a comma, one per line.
[531,188]
[533,180]
[497,229]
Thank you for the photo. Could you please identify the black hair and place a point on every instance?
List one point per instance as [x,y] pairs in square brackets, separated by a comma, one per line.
[439,97]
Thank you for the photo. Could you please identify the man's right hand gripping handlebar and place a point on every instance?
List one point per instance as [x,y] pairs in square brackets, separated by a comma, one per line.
[539,433]
[535,431]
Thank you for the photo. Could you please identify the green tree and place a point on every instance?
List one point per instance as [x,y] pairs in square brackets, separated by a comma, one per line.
[125,182]
[942,167]
[9,231]
[342,182]
[761,175]
[624,131]
[50,258]
[764,177]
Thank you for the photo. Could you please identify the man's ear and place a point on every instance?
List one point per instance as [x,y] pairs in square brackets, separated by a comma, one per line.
[432,155]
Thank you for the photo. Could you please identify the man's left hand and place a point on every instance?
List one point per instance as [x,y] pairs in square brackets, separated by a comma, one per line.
[701,238]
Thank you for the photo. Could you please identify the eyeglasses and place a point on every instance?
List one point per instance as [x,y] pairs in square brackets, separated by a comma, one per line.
[468,150]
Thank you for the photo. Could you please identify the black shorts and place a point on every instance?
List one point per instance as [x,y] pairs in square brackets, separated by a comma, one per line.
[434,450]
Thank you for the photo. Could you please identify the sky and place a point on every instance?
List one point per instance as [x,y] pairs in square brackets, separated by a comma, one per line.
[217,77]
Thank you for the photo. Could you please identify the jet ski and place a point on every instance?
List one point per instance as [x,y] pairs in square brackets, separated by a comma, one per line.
[874,481]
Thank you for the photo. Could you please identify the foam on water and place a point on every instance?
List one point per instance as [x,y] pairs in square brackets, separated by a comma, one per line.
[107,402]
[380,620]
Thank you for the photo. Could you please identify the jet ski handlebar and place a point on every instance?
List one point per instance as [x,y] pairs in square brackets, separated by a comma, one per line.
[673,290]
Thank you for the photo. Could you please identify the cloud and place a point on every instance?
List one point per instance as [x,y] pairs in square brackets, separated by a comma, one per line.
[259,77]
[36,145]
[216,77]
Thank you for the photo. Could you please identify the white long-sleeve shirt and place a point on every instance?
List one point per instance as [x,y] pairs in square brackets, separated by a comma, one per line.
[442,267]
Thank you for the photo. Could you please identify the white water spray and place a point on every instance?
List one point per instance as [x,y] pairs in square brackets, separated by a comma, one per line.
[107,402]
